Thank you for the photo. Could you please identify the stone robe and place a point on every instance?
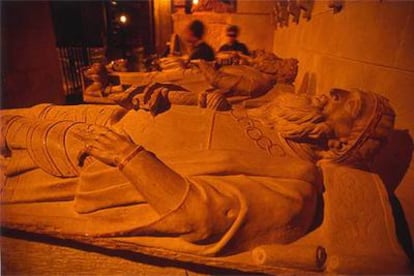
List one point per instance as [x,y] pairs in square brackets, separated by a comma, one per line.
[238,194]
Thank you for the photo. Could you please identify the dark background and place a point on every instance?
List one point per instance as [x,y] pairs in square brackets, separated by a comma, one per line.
[44,45]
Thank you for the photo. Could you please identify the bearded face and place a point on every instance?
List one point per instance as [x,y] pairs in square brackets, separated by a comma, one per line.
[341,109]
[301,116]
[97,73]
[349,125]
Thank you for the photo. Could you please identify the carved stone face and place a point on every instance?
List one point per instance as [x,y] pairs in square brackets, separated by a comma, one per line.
[348,126]
[340,109]
[97,73]
[360,122]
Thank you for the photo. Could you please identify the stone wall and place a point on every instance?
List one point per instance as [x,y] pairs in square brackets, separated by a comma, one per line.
[368,45]
[30,68]
[162,23]
[253,18]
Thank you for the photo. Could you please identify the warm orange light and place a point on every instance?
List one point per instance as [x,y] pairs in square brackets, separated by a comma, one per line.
[123,19]
[195,2]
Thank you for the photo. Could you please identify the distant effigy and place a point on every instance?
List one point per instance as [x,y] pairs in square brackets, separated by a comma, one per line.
[253,76]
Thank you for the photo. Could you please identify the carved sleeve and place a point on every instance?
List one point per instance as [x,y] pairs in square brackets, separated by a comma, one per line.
[192,208]
[218,210]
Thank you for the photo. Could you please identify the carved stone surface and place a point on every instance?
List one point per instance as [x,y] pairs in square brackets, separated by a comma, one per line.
[23,254]
[283,9]
[97,84]
[229,189]
[219,6]
[254,78]
[379,58]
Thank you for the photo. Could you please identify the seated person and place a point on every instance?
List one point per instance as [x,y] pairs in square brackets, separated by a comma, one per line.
[232,32]
[194,36]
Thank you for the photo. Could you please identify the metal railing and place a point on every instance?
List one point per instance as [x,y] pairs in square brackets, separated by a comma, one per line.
[71,61]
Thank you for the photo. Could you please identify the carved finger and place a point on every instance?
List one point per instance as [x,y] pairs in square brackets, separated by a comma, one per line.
[102,131]
[83,136]
[217,101]
[96,149]
[100,145]
[101,155]
[98,128]
[82,133]
[122,134]
[103,140]
[114,136]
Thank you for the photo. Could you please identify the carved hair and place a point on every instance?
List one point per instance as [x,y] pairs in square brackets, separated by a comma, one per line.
[297,118]
[371,128]
[294,116]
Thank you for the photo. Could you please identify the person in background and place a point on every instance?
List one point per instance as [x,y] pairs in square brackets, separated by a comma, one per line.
[194,36]
[233,45]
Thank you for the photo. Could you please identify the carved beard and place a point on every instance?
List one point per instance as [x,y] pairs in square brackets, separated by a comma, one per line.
[295,117]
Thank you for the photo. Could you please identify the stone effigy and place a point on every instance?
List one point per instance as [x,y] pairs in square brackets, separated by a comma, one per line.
[198,181]
[253,78]
[100,86]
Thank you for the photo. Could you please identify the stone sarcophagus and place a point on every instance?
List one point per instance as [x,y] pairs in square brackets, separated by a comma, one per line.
[275,188]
